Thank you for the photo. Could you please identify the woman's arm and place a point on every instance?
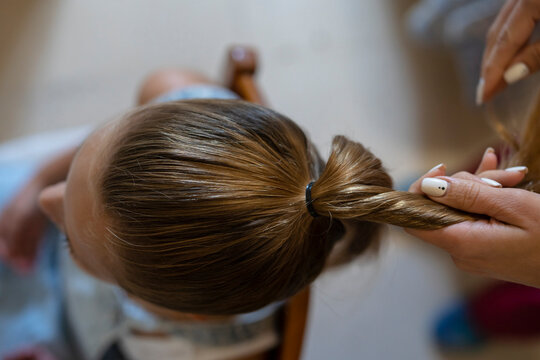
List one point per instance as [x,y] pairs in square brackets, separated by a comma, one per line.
[22,223]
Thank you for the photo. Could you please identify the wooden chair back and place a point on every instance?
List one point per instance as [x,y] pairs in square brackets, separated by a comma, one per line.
[241,66]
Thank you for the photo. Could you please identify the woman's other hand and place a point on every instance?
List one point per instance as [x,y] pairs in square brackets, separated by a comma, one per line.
[506,245]
[508,57]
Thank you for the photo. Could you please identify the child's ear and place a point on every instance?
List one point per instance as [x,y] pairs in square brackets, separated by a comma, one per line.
[51,201]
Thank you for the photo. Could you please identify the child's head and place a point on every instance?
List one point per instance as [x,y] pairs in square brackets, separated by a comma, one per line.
[199,206]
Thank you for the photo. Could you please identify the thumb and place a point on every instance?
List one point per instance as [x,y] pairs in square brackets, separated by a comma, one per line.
[526,62]
[504,204]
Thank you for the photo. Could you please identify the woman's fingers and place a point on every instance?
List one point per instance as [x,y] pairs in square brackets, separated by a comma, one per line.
[496,26]
[500,20]
[438,170]
[507,178]
[487,165]
[489,161]
[468,238]
[504,42]
[526,62]
[480,197]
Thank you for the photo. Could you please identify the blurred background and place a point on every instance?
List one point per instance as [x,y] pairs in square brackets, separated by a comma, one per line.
[397,75]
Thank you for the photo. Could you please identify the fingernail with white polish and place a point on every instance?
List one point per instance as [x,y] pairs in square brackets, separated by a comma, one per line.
[434,186]
[480,92]
[516,72]
[522,169]
[491,182]
[436,167]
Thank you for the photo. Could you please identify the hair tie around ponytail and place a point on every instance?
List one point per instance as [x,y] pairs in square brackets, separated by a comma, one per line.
[309,201]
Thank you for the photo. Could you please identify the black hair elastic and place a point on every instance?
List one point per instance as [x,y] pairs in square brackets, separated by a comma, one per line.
[309,201]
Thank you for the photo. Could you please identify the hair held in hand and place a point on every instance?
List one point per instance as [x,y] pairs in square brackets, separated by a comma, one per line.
[206,205]
[525,147]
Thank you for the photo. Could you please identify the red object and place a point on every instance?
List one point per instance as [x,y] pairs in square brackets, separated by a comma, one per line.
[31,353]
[507,310]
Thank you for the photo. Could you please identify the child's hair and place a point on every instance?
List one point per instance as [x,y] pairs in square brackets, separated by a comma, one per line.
[206,207]
[524,147]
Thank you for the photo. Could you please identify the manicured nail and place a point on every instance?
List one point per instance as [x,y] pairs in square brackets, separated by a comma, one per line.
[516,72]
[489,150]
[491,182]
[434,186]
[522,169]
[436,167]
[480,92]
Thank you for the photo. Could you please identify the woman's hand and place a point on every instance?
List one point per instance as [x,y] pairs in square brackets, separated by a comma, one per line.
[507,246]
[507,57]
[22,225]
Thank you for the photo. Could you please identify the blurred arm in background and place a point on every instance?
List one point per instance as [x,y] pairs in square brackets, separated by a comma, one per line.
[22,223]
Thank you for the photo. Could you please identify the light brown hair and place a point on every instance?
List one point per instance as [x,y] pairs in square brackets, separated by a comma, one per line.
[207,209]
[523,146]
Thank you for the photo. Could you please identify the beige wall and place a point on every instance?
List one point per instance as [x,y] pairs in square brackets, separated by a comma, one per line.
[335,67]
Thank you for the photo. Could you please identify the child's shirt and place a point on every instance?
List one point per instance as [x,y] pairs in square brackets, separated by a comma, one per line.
[100,315]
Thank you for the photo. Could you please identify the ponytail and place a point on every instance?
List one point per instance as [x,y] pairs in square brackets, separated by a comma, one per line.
[354,185]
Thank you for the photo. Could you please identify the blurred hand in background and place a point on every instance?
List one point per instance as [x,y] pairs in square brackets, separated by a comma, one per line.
[508,56]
